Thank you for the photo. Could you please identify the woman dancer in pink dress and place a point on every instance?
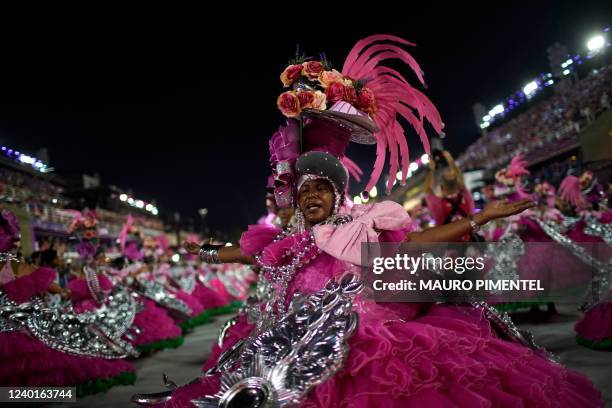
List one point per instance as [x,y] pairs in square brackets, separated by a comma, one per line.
[315,340]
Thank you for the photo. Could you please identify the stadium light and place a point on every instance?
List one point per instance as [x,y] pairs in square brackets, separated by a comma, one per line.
[123,197]
[373,192]
[530,88]
[596,43]
[425,158]
[357,200]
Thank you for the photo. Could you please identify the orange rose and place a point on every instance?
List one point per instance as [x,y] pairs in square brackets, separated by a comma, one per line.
[290,74]
[289,104]
[326,78]
[312,69]
[320,101]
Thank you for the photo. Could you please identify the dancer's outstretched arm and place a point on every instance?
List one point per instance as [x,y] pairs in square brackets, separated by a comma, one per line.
[231,254]
[453,231]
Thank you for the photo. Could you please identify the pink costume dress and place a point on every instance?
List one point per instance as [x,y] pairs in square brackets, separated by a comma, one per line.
[594,330]
[451,208]
[411,354]
[198,315]
[157,330]
[214,302]
[26,361]
[207,276]
[561,271]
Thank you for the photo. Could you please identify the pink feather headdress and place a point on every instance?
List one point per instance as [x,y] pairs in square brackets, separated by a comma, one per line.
[368,97]
[570,192]
[518,166]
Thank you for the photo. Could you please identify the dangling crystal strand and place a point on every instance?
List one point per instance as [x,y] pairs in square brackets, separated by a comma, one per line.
[283,275]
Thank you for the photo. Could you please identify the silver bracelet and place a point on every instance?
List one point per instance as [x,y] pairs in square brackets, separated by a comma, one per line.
[473,224]
[8,257]
[210,255]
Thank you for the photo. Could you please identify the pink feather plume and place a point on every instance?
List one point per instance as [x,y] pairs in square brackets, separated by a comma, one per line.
[570,192]
[394,96]
[518,166]
[353,169]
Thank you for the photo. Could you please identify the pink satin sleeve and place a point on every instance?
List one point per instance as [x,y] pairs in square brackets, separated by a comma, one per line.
[344,241]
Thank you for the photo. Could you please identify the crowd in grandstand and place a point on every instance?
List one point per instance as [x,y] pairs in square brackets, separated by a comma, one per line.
[548,127]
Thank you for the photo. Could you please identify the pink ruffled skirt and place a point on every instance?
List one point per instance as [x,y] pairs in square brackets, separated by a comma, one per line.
[27,362]
[447,358]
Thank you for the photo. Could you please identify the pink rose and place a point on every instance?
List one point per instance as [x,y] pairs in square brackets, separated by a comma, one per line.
[312,69]
[306,98]
[326,78]
[289,104]
[366,100]
[350,95]
[335,92]
[290,74]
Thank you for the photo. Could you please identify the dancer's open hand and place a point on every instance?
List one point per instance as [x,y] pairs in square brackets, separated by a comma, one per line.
[504,208]
[191,247]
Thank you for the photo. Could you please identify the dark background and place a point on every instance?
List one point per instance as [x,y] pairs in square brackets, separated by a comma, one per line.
[179,106]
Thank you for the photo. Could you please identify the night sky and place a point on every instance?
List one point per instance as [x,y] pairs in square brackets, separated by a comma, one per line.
[180,111]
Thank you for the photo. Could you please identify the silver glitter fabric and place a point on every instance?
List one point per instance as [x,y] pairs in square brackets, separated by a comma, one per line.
[280,365]
[596,228]
[506,329]
[602,271]
[61,330]
[506,252]
[115,317]
[157,293]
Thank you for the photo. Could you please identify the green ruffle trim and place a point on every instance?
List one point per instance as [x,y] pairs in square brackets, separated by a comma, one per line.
[195,321]
[236,304]
[103,385]
[160,345]
[206,315]
[605,344]
[514,306]
[223,310]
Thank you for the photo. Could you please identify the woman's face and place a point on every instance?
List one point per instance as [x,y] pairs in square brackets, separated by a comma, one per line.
[285,215]
[316,200]
[585,179]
